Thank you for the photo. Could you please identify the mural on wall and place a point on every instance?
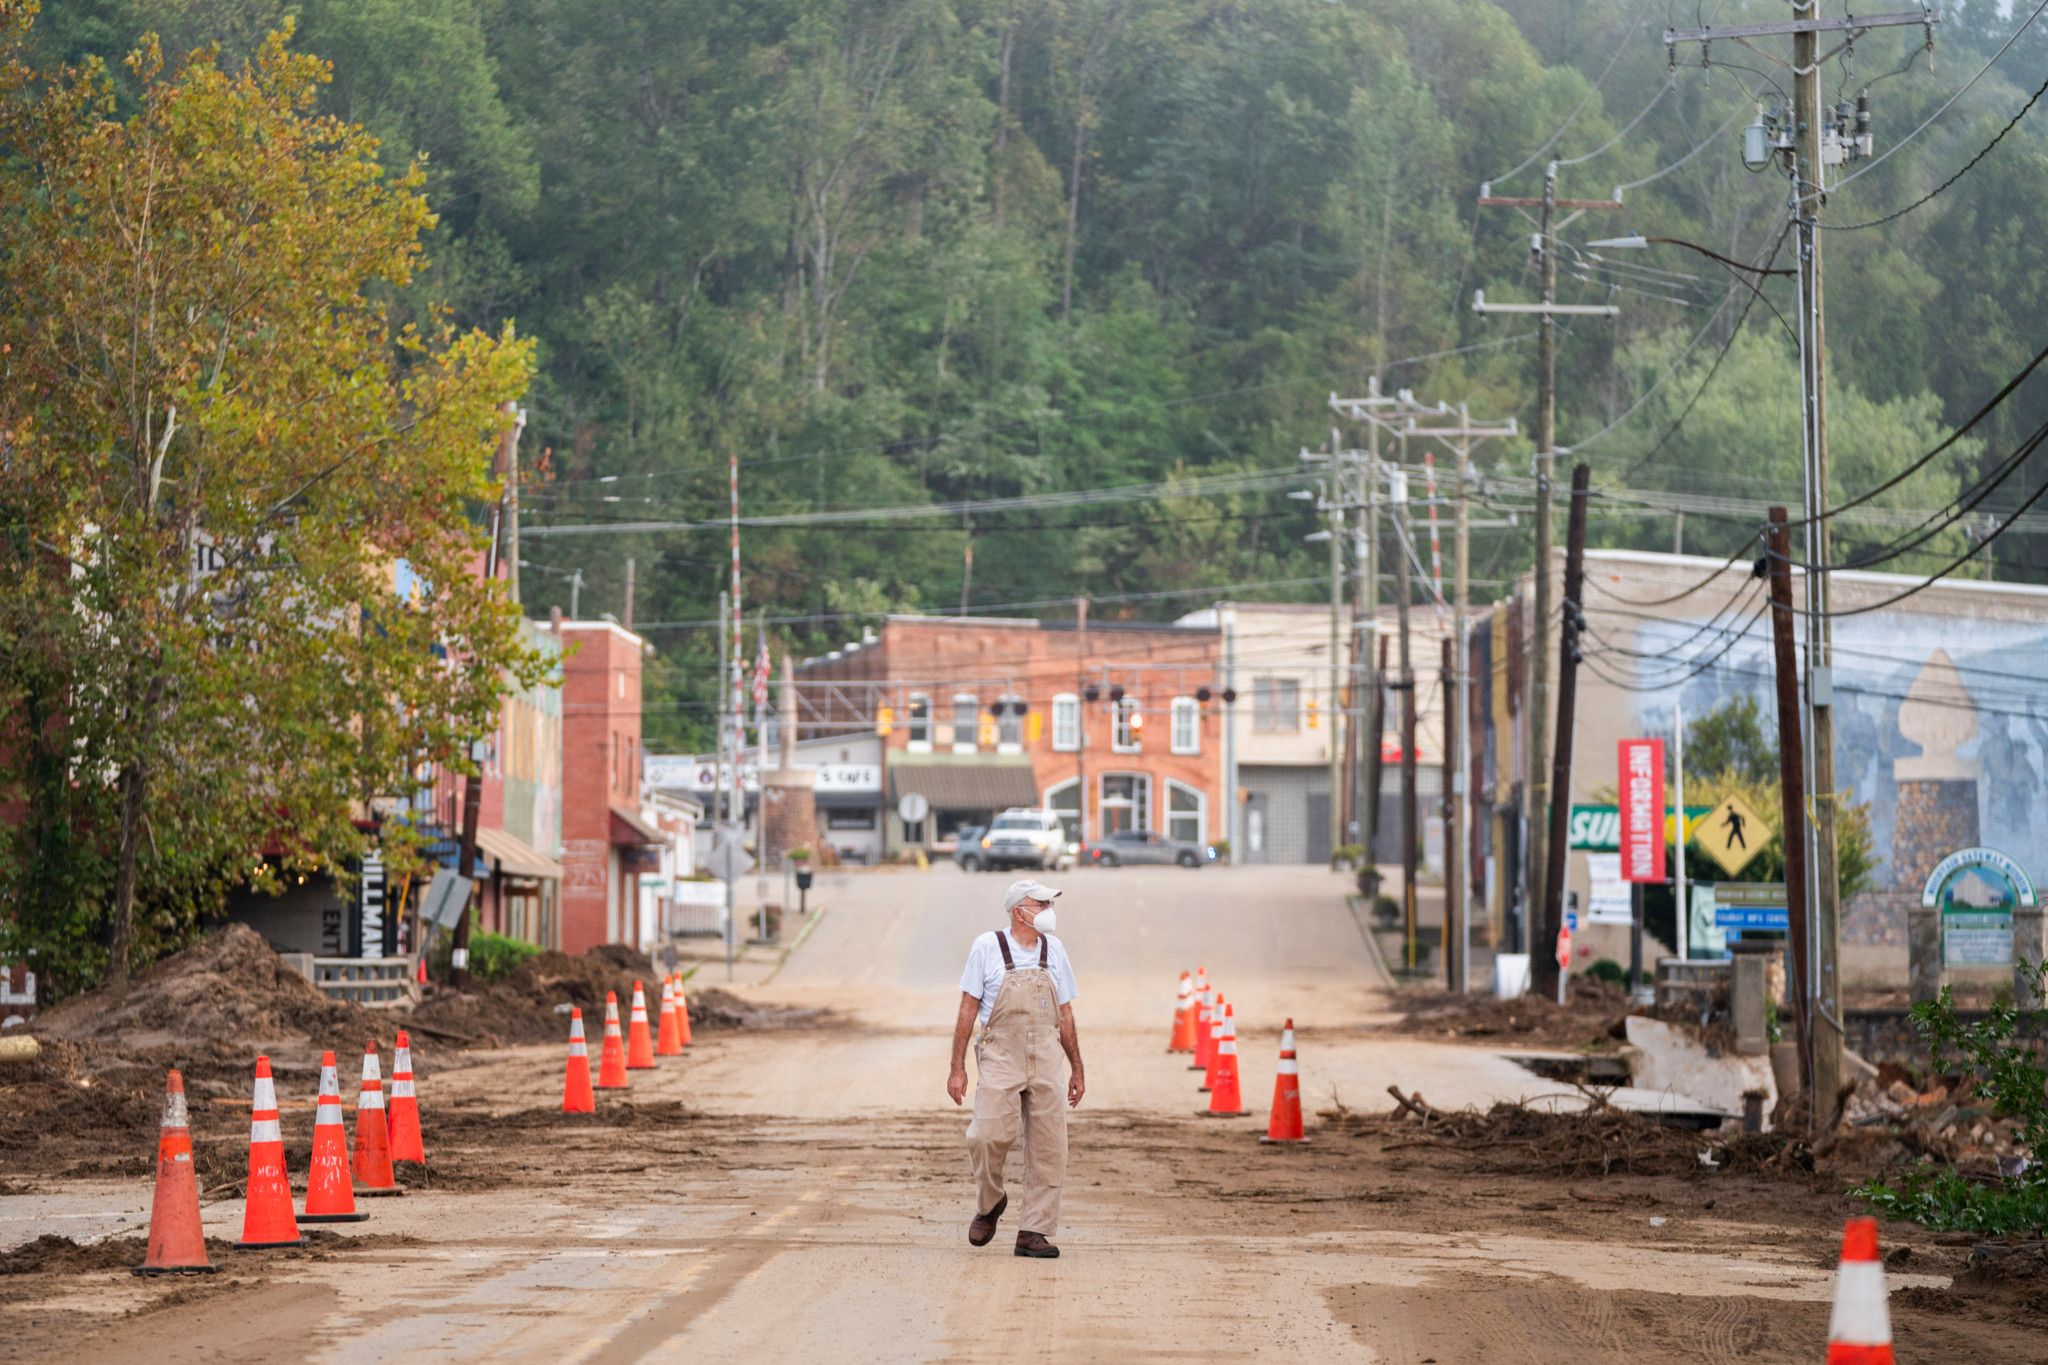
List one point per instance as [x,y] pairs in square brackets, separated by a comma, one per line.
[1941,726]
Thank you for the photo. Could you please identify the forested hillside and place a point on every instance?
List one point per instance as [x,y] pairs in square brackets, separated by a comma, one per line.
[905,251]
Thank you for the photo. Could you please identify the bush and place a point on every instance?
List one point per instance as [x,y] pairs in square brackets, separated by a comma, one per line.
[492,957]
[1386,912]
[1997,1055]
[1607,969]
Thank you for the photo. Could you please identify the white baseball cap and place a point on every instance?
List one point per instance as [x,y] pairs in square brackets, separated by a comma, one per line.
[1027,890]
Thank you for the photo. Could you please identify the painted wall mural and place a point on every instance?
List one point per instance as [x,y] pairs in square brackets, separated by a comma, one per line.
[1941,725]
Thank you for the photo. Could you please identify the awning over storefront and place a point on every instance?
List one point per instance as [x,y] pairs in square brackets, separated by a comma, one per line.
[515,857]
[628,828]
[963,782]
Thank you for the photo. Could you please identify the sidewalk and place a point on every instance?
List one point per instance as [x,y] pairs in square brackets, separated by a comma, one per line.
[1390,944]
[703,959]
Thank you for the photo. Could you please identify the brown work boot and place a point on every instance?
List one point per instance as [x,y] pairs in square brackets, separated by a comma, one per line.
[1034,1244]
[983,1229]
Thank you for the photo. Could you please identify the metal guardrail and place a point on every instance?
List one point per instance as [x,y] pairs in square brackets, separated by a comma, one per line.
[376,983]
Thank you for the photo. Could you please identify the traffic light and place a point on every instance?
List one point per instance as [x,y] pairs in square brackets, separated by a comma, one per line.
[988,731]
[885,720]
[1034,726]
[1314,710]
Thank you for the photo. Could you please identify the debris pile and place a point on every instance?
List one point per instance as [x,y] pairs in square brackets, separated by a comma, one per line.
[1597,1140]
[227,991]
[1588,1019]
[1947,1121]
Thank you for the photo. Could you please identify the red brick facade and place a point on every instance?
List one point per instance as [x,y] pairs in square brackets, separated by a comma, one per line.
[1147,773]
[600,773]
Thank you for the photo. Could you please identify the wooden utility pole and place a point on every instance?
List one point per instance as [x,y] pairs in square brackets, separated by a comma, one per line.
[1458,837]
[1406,685]
[626,616]
[1807,141]
[1548,912]
[473,785]
[1372,658]
[1539,792]
[1792,803]
[1454,882]
[1335,526]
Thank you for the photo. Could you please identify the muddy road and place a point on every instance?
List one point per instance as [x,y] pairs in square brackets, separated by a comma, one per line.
[801,1193]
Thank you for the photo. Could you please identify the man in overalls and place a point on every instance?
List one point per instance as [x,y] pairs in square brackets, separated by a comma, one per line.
[1020,985]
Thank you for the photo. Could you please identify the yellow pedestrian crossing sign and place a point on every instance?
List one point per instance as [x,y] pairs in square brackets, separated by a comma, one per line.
[1731,834]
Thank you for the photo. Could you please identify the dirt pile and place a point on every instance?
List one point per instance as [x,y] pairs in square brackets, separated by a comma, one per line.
[532,1003]
[1586,1021]
[228,991]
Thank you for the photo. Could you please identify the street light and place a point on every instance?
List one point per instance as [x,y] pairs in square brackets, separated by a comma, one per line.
[1638,242]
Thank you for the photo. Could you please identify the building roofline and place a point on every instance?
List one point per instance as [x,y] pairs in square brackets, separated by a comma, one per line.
[1874,577]
[636,641]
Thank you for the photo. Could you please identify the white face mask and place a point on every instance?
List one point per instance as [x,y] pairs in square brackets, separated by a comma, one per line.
[1045,922]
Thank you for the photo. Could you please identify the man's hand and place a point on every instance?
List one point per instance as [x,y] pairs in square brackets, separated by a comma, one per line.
[956,1084]
[1076,1087]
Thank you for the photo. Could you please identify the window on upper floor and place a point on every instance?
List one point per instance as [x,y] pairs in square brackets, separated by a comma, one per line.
[1066,722]
[1276,705]
[1186,725]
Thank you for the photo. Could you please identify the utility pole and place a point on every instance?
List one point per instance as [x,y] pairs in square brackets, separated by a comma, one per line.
[576,595]
[1228,614]
[719,794]
[1334,709]
[1406,685]
[1547,913]
[1457,697]
[1366,627]
[1792,804]
[1081,720]
[1812,139]
[1454,884]
[626,617]
[1538,793]
[473,783]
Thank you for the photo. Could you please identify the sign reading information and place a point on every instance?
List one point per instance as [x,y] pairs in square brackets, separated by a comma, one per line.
[1642,810]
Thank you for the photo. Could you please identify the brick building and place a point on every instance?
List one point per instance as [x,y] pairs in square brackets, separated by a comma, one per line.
[606,843]
[1116,725]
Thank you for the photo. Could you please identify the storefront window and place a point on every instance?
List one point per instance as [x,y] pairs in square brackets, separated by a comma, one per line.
[1126,802]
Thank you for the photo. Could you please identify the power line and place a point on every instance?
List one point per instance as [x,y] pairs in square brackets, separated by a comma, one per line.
[1879,159]
[1620,45]
[1968,166]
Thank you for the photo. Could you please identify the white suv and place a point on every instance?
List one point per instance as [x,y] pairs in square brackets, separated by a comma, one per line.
[1025,836]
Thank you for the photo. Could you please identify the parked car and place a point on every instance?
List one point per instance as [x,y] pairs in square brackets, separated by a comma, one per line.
[967,847]
[1145,846]
[1025,836]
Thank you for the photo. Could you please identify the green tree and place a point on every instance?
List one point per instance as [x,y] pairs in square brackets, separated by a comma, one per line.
[237,492]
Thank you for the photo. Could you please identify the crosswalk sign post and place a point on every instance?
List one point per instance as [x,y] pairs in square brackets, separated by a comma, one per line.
[1732,835]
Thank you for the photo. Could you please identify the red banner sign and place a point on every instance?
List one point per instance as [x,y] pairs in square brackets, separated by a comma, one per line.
[1642,810]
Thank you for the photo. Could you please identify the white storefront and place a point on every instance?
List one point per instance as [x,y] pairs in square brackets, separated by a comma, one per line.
[849,790]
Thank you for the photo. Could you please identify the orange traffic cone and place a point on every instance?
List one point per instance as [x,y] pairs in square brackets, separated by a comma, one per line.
[267,1212]
[1860,1332]
[1285,1125]
[330,1195]
[373,1130]
[639,1042]
[1205,1007]
[1216,1013]
[1182,1039]
[682,1010]
[576,1094]
[406,1143]
[1224,1100]
[670,1043]
[611,1060]
[419,971]
[177,1245]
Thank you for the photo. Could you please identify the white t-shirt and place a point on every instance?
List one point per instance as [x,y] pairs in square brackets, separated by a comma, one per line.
[983,976]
